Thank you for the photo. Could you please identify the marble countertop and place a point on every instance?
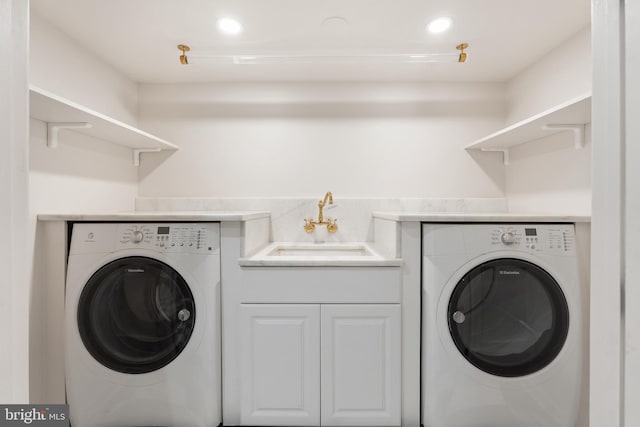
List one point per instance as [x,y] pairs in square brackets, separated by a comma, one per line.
[290,254]
[478,217]
[159,216]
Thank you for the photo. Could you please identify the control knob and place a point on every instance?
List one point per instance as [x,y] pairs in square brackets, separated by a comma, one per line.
[508,238]
[137,236]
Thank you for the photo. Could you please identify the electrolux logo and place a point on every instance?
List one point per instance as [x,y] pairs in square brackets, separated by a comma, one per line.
[509,272]
[37,415]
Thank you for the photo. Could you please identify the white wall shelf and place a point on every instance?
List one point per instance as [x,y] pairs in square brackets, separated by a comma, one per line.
[60,113]
[572,115]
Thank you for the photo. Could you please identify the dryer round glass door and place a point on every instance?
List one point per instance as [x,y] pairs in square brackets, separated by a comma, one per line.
[135,315]
[508,317]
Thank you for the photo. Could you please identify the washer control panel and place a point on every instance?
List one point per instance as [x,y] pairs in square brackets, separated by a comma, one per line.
[191,238]
[195,238]
[549,238]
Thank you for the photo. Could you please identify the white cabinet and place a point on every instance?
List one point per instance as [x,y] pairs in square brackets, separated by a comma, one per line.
[360,365]
[320,364]
[280,364]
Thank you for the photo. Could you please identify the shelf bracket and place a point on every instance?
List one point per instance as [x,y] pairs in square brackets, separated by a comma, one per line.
[578,133]
[504,151]
[54,127]
[137,151]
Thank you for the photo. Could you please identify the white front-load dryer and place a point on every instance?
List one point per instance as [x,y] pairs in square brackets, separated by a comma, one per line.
[501,326]
[142,325]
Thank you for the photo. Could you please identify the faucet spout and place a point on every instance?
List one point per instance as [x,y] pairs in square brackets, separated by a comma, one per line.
[321,205]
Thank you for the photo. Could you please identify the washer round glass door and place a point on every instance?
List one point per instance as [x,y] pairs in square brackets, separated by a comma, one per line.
[508,317]
[135,315]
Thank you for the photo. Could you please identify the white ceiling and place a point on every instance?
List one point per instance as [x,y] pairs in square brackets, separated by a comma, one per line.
[139,37]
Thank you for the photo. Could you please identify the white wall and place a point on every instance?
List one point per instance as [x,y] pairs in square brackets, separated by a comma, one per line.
[81,175]
[549,174]
[14,247]
[365,140]
[560,75]
[64,67]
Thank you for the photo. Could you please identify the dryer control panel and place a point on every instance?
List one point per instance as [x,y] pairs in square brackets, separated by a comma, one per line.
[548,238]
[200,238]
[464,238]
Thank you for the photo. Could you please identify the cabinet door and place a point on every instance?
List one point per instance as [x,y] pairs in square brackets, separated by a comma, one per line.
[280,364]
[361,383]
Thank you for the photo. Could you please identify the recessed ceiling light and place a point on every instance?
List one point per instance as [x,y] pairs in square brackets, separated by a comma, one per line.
[439,25]
[229,26]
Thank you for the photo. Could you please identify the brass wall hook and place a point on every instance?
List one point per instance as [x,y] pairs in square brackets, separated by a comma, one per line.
[463,55]
[183,58]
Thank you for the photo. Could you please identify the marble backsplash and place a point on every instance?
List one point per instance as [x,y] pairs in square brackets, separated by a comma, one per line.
[355,223]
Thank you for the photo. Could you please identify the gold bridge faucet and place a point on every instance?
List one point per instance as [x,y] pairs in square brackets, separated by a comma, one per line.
[310,224]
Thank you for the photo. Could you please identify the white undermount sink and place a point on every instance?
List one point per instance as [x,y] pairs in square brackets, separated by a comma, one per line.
[318,254]
[322,250]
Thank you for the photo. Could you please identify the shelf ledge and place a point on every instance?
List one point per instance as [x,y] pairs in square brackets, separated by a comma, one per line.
[59,113]
[571,115]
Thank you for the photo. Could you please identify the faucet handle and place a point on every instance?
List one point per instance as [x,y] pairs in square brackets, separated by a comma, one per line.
[332,227]
[309,226]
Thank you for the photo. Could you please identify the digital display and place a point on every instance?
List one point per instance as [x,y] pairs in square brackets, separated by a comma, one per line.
[530,232]
[163,230]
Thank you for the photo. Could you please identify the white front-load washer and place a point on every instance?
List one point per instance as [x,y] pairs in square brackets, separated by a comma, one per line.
[501,325]
[142,325]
